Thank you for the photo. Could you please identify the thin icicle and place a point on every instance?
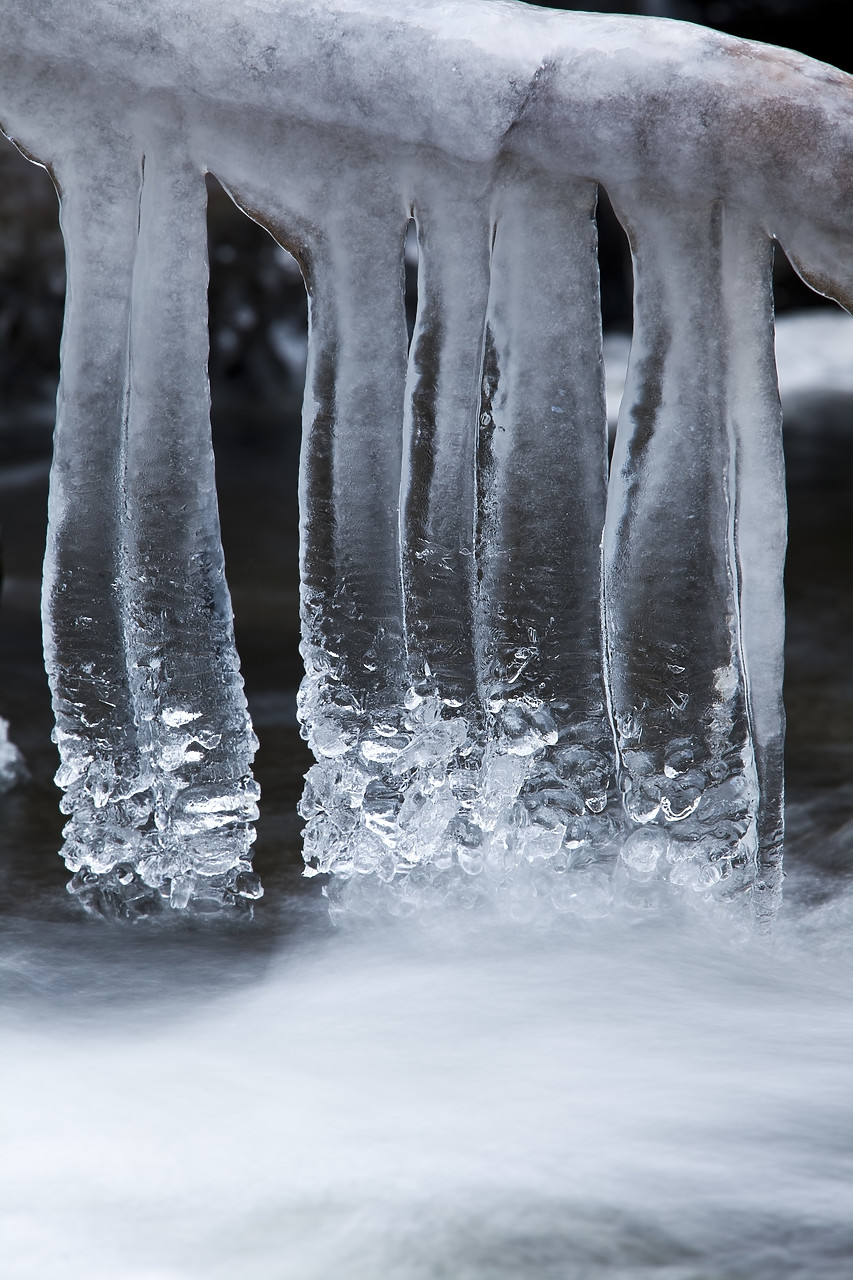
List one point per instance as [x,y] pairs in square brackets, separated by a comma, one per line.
[760,525]
[445,372]
[83,600]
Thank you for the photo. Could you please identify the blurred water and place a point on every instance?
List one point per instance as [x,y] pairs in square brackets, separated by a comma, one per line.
[429,1104]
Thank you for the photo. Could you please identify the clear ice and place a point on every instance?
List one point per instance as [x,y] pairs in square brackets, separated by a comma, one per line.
[522,683]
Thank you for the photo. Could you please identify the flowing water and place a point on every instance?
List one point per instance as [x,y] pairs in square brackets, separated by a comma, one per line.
[623,1104]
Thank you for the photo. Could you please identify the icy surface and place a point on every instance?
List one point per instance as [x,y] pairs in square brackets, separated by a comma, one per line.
[471,725]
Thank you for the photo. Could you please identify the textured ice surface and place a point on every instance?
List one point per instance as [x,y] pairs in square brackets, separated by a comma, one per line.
[470,725]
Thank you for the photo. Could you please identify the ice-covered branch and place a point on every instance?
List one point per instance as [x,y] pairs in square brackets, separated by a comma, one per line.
[474,723]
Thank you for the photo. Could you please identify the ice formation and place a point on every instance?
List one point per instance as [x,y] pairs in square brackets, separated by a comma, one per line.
[474,734]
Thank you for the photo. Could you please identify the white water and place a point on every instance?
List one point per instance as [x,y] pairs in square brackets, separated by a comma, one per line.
[395,1105]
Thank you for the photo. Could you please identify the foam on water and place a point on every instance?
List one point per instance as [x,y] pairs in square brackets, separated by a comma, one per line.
[413,1104]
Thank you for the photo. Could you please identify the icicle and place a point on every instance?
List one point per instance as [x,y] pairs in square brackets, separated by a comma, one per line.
[352,595]
[676,681]
[438,496]
[760,516]
[195,740]
[151,720]
[543,451]
[83,603]
[351,701]
[387,801]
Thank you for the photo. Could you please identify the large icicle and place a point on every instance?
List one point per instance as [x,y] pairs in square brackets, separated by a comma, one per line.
[671,597]
[395,799]
[195,740]
[152,725]
[435,777]
[83,600]
[543,455]
[351,701]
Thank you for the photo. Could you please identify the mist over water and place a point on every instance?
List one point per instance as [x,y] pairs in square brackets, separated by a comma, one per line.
[432,1100]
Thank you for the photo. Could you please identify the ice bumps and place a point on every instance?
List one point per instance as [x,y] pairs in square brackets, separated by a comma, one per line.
[426,807]
[159,838]
[525,668]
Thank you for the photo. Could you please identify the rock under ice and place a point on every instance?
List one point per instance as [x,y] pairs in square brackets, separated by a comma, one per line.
[496,707]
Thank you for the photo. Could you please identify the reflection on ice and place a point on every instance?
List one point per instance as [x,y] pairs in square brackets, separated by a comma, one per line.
[626,1104]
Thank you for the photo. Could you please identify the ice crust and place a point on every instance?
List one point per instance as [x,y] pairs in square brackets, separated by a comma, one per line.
[462,554]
